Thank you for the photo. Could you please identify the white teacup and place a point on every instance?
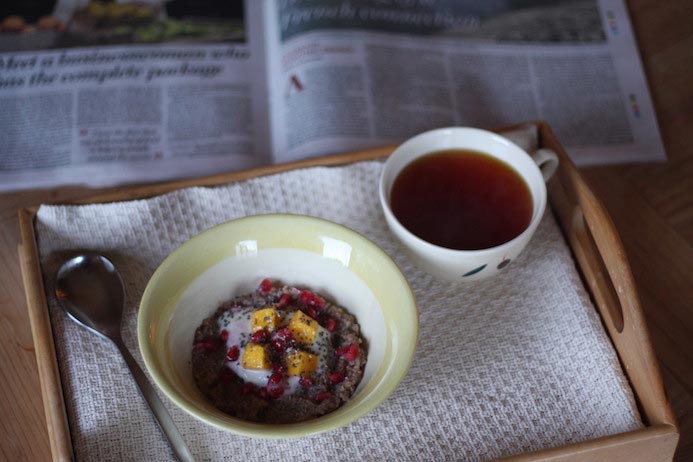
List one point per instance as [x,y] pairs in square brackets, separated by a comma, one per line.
[467,265]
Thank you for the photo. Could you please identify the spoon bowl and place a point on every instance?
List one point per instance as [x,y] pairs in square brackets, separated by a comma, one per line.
[91,292]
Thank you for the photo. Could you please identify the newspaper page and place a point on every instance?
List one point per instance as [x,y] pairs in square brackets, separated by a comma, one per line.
[348,75]
[104,92]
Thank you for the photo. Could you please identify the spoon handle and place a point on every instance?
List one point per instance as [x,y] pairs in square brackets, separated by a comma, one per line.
[163,418]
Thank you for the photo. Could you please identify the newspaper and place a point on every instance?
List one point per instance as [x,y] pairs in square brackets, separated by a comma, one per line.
[102,93]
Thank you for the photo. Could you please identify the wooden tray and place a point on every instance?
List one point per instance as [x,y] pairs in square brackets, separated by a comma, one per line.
[600,259]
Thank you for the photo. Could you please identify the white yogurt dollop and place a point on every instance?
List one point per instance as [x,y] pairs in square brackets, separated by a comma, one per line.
[237,324]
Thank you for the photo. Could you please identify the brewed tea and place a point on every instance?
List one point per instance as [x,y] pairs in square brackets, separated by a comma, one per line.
[462,200]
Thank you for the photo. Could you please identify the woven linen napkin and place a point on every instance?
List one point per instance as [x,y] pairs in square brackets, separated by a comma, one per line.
[517,363]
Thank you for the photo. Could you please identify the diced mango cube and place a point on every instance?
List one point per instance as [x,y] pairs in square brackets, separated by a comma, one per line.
[255,357]
[265,318]
[303,328]
[301,363]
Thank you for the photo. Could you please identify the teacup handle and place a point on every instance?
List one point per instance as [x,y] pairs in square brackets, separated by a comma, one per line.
[547,161]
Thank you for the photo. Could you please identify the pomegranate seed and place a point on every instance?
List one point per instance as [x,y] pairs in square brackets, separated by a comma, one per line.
[305,382]
[336,377]
[261,336]
[331,325]
[278,344]
[247,388]
[284,300]
[319,302]
[265,286]
[322,396]
[224,335]
[353,352]
[276,392]
[310,311]
[207,345]
[307,297]
[226,375]
[263,393]
[234,353]
[349,353]
[284,333]
[275,379]
[278,367]
[280,339]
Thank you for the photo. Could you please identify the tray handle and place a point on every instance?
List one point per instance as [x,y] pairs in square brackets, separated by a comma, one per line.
[595,271]
[603,263]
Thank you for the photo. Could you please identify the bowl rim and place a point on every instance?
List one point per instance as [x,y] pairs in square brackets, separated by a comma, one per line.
[403,354]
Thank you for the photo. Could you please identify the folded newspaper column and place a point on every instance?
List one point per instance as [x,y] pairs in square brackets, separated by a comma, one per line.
[103,93]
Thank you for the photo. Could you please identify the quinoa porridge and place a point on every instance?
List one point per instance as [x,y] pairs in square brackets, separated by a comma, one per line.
[278,355]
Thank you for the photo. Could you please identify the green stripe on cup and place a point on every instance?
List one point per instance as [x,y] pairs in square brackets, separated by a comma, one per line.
[474,271]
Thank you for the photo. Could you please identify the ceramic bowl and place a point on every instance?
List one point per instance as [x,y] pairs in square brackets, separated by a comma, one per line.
[230,260]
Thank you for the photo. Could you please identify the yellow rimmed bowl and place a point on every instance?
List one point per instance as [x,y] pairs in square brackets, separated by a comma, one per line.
[230,260]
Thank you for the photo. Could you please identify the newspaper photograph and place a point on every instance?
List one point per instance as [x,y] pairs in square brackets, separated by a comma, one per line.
[111,92]
[78,23]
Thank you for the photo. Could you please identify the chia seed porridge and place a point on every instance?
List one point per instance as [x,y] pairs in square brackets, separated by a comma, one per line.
[278,355]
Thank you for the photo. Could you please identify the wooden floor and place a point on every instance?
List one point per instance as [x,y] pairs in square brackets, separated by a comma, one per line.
[651,204]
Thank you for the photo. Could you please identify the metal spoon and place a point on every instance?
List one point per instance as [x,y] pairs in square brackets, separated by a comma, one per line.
[91,292]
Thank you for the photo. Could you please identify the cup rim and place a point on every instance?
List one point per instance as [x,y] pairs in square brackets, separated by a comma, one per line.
[528,231]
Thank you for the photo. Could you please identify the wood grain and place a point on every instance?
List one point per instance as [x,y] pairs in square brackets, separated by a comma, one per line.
[645,445]
[51,386]
[651,206]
